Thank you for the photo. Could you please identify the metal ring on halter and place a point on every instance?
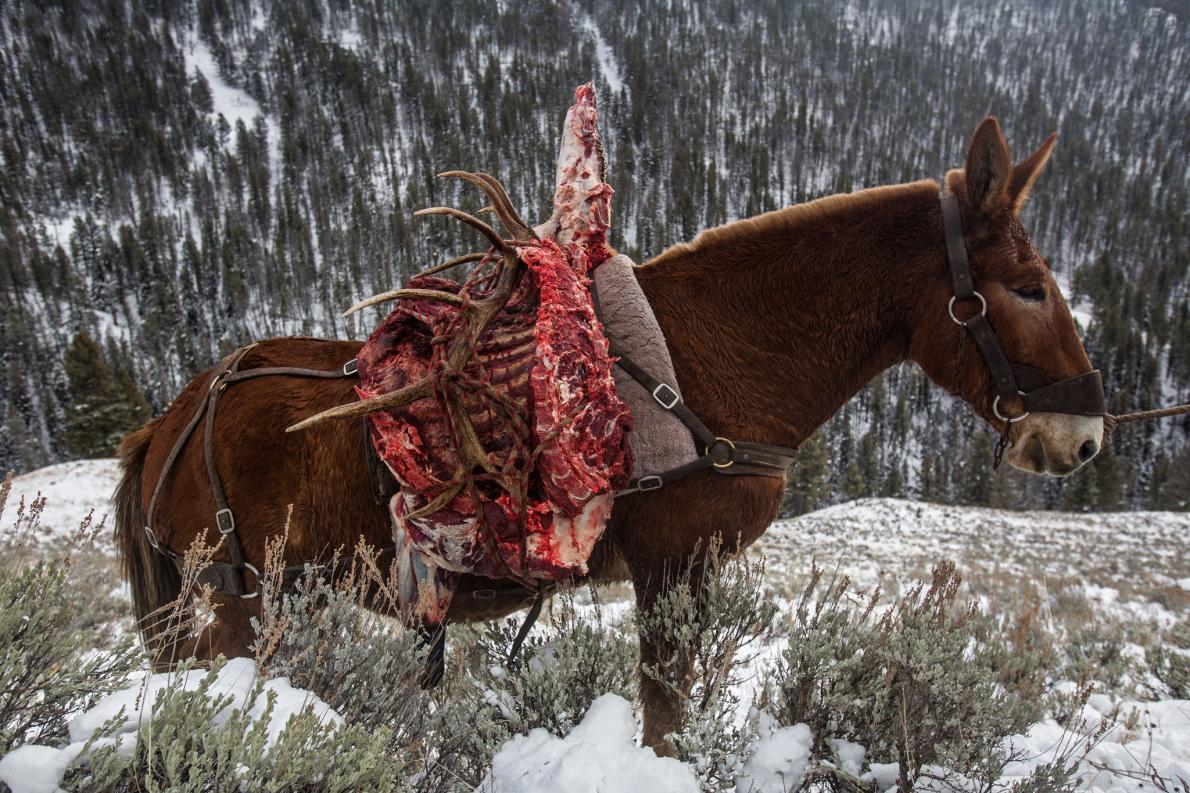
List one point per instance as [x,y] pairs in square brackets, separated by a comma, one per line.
[983,308]
[731,446]
[1002,417]
[259,583]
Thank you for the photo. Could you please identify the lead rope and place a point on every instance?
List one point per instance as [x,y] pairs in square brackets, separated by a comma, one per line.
[1110,422]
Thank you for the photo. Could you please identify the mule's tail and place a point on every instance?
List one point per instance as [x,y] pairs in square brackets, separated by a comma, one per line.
[154,579]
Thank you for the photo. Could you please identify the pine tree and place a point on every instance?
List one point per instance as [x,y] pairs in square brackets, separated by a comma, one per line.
[1082,493]
[853,483]
[103,405]
[809,478]
[975,479]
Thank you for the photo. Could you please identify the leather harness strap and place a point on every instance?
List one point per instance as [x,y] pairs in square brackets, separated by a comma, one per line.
[1078,395]
[227,578]
[720,455]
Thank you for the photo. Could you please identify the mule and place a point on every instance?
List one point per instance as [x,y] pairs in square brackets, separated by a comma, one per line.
[773,323]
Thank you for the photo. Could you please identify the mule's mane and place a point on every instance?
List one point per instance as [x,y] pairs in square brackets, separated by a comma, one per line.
[791,220]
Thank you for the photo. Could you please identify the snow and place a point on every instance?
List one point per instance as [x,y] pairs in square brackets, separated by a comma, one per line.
[39,769]
[233,103]
[603,53]
[1160,741]
[72,490]
[600,755]
[850,755]
[36,769]
[869,538]
[873,539]
[779,760]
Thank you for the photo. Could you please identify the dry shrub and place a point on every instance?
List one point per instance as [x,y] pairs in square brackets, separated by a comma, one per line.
[926,683]
[712,619]
[48,669]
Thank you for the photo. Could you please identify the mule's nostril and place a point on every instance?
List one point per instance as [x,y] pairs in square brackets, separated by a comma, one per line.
[1087,451]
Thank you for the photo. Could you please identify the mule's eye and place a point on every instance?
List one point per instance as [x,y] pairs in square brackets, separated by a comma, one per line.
[1034,293]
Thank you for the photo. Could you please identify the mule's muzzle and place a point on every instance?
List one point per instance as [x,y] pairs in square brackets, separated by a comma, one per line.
[1055,444]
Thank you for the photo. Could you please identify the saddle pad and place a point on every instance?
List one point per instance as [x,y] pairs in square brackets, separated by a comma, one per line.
[659,440]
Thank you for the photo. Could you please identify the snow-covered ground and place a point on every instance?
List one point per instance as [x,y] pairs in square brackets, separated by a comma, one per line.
[1133,564]
[71,491]
[1127,566]
[39,769]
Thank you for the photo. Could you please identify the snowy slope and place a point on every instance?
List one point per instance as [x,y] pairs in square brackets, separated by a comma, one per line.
[72,491]
[1112,557]
[867,537]
[875,535]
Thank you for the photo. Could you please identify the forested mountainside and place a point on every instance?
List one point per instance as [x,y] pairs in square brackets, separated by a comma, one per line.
[179,178]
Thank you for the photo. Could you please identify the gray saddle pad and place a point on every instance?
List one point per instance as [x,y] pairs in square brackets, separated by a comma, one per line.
[659,440]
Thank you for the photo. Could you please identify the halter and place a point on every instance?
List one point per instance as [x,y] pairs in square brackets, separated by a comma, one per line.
[1081,395]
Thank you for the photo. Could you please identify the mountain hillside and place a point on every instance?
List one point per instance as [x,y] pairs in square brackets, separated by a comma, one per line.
[178,178]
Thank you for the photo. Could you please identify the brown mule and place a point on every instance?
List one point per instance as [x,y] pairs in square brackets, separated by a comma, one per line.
[773,323]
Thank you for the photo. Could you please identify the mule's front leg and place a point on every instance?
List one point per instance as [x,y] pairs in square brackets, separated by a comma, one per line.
[664,689]
[662,539]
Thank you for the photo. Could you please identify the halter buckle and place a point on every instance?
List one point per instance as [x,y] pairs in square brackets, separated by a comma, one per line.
[152,539]
[225,526]
[647,483]
[983,308]
[350,368]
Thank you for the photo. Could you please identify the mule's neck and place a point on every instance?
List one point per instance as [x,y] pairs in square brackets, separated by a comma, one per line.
[775,322]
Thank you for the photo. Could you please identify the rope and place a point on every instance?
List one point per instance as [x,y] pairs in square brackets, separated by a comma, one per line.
[1111,422]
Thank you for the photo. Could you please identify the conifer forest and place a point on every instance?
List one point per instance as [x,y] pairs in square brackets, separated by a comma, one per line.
[181,178]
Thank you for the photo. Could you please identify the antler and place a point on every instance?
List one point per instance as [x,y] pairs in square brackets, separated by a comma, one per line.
[455,262]
[402,396]
[397,294]
[501,204]
[476,316]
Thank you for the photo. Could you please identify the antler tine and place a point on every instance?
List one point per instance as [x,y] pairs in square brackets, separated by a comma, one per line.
[477,318]
[397,294]
[455,262]
[472,221]
[501,204]
[402,396]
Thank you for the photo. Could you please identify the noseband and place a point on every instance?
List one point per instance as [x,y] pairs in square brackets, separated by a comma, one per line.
[1081,395]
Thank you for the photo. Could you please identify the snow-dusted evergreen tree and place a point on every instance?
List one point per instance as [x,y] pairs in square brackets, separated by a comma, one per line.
[182,177]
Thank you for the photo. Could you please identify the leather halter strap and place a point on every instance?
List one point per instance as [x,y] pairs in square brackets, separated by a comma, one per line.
[1079,395]
[222,577]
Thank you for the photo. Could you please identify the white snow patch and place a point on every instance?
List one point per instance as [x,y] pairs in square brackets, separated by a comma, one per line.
[600,755]
[875,538]
[603,53]
[1159,742]
[72,490]
[779,760]
[36,769]
[233,103]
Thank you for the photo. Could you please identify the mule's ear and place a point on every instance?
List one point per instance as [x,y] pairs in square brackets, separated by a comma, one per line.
[1026,172]
[989,168]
